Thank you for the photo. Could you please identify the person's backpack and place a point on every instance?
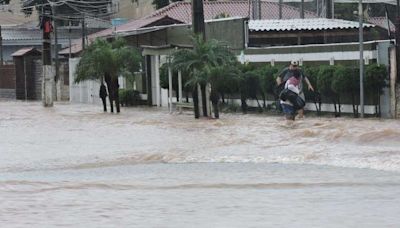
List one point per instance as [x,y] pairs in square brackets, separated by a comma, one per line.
[294,98]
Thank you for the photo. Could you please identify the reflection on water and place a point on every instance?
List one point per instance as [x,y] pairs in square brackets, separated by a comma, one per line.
[74,166]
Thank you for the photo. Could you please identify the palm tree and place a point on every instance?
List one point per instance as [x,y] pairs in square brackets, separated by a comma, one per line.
[199,62]
[222,79]
[106,61]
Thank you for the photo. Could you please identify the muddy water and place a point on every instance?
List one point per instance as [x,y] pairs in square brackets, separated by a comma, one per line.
[74,166]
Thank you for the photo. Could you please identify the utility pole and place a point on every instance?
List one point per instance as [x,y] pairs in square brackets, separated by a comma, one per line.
[48,70]
[83,32]
[69,37]
[1,48]
[57,62]
[256,9]
[328,9]
[302,9]
[397,38]
[361,38]
[280,9]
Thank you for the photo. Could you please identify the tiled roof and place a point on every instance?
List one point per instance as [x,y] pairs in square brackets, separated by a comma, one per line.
[303,24]
[382,22]
[24,51]
[269,10]
[129,26]
[181,12]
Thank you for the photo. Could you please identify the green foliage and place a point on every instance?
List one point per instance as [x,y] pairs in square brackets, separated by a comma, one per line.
[224,79]
[312,74]
[375,78]
[324,80]
[375,81]
[129,97]
[267,79]
[200,60]
[103,57]
[346,80]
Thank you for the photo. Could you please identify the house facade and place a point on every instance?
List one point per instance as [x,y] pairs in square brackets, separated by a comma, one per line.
[311,41]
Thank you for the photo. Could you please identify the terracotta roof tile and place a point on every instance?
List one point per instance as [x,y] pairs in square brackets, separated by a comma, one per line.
[181,12]
[382,22]
[270,10]
[24,51]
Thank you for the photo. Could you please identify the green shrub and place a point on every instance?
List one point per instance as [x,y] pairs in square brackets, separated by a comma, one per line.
[324,84]
[375,81]
[129,97]
[346,84]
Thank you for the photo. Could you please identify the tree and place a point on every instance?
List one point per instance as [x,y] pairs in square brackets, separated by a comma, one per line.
[314,96]
[346,83]
[106,61]
[267,82]
[324,83]
[375,81]
[200,60]
[245,72]
[222,80]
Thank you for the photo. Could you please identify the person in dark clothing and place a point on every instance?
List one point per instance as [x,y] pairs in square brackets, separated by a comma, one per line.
[289,72]
[103,95]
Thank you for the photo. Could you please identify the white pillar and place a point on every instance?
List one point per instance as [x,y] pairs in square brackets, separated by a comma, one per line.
[157,74]
[180,89]
[180,85]
[170,89]
[47,85]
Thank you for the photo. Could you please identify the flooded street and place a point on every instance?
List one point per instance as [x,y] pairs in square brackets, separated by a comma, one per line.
[74,166]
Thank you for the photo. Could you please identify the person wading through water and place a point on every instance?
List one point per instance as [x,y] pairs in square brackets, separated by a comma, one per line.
[290,100]
[287,73]
[103,95]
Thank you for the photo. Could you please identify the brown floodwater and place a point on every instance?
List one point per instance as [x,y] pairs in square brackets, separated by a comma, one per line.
[74,166]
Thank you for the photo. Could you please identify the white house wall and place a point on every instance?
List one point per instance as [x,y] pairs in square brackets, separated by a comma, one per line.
[318,56]
[86,92]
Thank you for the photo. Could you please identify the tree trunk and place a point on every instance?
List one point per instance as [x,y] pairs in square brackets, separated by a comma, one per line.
[244,104]
[195,96]
[259,105]
[334,105]
[204,99]
[216,109]
[214,97]
[264,102]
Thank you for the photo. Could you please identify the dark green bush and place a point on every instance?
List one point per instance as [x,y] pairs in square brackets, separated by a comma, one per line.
[375,81]
[129,97]
[346,84]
